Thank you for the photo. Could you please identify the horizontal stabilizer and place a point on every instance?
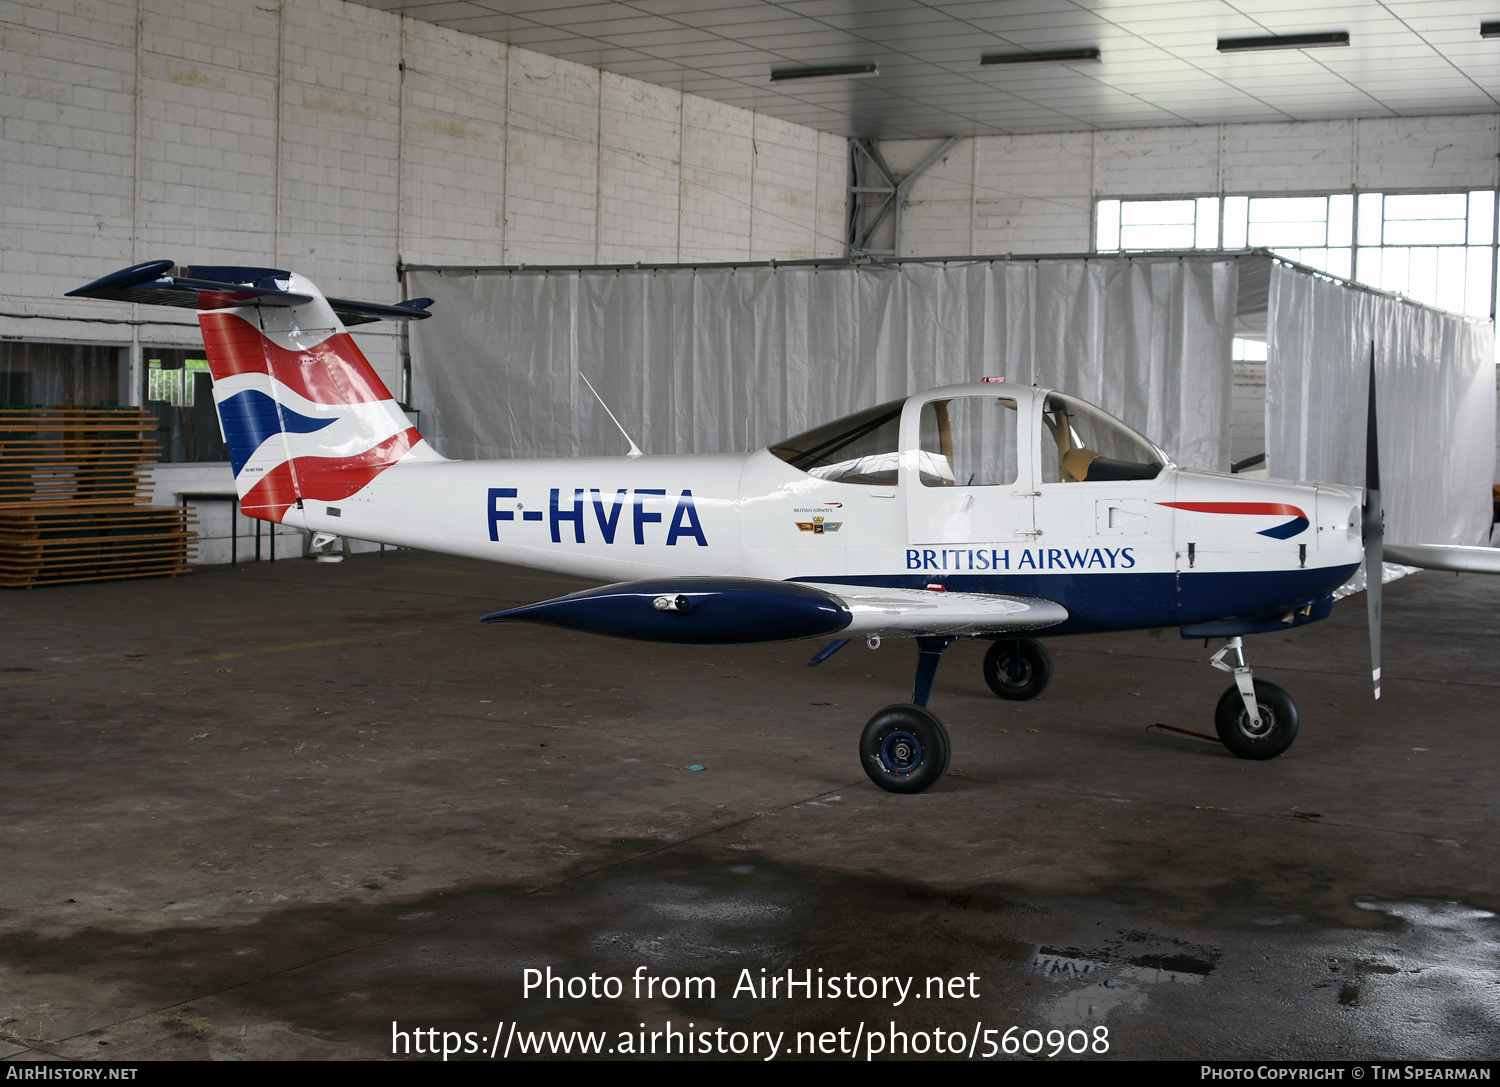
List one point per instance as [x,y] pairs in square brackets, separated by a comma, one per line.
[213,287]
[1455,557]
[360,313]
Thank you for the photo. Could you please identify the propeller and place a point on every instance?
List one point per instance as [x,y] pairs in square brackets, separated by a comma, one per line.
[1374,526]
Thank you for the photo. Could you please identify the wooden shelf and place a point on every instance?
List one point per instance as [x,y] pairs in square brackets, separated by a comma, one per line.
[72,490]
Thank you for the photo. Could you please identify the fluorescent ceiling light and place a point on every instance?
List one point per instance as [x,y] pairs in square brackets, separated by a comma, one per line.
[1283,41]
[786,75]
[1055,56]
[1489,30]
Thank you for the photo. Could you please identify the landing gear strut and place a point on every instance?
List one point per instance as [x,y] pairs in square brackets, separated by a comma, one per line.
[1255,719]
[905,748]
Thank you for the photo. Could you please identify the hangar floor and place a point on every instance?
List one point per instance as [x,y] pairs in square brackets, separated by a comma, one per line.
[266,811]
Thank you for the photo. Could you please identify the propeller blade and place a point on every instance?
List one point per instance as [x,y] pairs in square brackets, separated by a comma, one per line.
[1374,526]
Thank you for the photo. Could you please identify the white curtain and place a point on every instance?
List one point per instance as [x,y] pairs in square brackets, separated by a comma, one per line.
[1435,403]
[724,358]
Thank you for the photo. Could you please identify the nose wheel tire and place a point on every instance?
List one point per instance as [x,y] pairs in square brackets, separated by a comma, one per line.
[1018,669]
[1278,722]
[904,749]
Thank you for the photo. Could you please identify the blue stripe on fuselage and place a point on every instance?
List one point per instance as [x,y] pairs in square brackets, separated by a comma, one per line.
[1206,597]
[1132,601]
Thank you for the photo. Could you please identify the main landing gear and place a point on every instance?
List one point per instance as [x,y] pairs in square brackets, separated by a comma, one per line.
[905,747]
[1255,719]
[1018,669]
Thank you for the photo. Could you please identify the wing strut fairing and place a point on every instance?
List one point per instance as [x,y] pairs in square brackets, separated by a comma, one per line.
[729,611]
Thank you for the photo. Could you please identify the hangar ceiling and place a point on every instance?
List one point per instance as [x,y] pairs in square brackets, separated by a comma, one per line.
[1159,63]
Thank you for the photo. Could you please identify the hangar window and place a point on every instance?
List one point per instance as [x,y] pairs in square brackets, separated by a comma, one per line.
[62,375]
[179,392]
[1435,248]
[968,441]
[860,448]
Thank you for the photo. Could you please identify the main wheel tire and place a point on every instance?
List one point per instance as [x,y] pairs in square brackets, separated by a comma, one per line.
[904,749]
[1278,717]
[1018,669]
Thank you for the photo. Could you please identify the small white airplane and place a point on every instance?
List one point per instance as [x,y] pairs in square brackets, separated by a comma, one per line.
[984,510]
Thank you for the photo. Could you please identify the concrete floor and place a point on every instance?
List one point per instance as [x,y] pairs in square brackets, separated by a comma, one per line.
[265,811]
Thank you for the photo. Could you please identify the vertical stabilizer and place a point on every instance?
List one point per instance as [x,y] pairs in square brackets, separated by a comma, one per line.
[303,412]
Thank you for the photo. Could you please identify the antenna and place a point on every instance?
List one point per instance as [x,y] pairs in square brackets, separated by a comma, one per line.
[635,450]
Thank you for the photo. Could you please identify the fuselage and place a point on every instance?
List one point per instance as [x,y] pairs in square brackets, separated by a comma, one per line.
[1180,548]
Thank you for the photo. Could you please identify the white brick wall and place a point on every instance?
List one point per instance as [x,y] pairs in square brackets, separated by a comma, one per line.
[640,171]
[453,147]
[717,159]
[1034,194]
[221,132]
[784,199]
[552,162]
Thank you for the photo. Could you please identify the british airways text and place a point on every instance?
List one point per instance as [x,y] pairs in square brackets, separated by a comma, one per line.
[1026,558]
[570,515]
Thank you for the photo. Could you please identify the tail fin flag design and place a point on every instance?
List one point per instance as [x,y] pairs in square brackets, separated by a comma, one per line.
[304,414]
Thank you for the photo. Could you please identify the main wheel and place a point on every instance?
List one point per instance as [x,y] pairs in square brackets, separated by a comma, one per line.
[1018,669]
[1278,722]
[904,749]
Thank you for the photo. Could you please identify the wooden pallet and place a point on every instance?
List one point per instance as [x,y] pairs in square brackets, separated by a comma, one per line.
[74,456]
[52,545]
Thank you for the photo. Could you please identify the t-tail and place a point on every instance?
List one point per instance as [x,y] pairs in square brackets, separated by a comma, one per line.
[304,414]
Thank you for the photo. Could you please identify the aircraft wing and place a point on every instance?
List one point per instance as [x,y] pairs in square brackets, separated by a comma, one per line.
[736,610]
[921,612]
[1455,557]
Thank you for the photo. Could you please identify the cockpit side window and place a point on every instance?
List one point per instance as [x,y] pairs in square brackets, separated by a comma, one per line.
[968,441]
[862,448]
[1080,443]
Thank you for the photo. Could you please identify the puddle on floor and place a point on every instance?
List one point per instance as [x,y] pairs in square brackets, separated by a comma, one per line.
[1425,983]
[1117,977]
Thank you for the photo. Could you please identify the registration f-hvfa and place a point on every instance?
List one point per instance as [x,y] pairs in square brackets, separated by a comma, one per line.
[985,510]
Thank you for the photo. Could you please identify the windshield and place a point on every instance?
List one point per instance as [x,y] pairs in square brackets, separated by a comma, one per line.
[860,448]
[1080,444]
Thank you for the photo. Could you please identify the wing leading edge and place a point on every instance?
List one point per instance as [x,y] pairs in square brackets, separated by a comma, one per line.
[727,610]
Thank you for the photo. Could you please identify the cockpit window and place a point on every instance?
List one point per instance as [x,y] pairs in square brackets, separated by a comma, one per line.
[1080,444]
[860,448]
[968,441]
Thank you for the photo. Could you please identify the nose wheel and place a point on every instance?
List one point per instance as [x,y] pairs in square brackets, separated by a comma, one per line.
[1271,733]
[1255,719]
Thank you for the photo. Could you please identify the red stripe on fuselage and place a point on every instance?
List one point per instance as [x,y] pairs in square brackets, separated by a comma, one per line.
[323,479]
[1262,509]
[333,372]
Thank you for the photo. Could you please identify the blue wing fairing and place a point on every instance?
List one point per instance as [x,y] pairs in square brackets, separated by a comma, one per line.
[692,611]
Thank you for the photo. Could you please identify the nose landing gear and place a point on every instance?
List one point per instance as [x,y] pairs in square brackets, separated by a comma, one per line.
[1255,719]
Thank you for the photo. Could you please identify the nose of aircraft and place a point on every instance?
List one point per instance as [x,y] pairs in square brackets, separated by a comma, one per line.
[1340,526]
